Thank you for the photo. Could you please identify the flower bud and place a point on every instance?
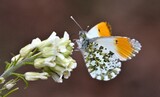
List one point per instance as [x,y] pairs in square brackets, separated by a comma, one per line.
[2,80]
[72,64]
[49,42]
[39,63]
[67,74]
[17,58]
[57,78]
[35,42]
[49,51]
[58,69]
[9,85]
[33,76]
[68,51]
[26,50]
[61,60]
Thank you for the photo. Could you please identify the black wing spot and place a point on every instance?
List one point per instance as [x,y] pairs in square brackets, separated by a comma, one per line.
[99,30]
[116,41]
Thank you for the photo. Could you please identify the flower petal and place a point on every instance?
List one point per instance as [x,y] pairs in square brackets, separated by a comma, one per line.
[32,76]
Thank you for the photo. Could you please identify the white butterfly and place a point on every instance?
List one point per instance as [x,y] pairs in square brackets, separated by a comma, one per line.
[103,53]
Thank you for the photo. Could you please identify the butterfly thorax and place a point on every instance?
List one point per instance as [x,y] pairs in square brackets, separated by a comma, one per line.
[83,41]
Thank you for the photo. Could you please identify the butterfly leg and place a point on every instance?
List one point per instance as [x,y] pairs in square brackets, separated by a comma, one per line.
[76,41]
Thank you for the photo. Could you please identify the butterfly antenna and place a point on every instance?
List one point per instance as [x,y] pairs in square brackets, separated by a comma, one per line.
[76,22]
[87,28]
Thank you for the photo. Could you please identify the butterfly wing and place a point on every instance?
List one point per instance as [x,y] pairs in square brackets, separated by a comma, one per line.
[103,52]
[102,63]
[124,48]
[102,29]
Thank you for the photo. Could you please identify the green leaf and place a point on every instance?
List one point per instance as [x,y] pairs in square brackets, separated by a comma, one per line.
[29,63]
[8,65]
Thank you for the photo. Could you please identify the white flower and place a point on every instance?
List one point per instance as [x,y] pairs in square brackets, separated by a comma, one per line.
[57,78]
[52,37]
[39,63]
[72,64]
[66,36]
[49,51]
[52,57]
[58,69]
[50,61]
[66,62]
[64,42]
[67,74]
[26,50]
[35,42]
[2,80]
[50,64]
[48,42]
[10,85]
[61,60]
[62,48]
[17,58]
[42,62]
[71,44]
[32,76]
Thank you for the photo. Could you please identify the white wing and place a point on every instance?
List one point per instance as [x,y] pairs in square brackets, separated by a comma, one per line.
[102,63]
[123,47]
[103,55]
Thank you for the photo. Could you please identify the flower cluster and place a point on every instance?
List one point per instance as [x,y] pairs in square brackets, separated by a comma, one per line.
[53,58]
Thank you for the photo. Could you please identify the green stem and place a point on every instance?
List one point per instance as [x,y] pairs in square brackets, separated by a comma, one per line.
[10,92]
[9,71]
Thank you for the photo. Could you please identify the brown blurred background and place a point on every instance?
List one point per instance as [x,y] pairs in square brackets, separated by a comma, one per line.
[23,20]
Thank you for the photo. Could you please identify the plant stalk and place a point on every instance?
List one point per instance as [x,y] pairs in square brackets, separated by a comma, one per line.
[10,70]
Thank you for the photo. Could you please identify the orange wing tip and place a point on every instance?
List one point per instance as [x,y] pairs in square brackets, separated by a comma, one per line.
[104,29]
[127,48]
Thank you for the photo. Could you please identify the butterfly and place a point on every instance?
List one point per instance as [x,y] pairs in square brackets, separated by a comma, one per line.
[103,52]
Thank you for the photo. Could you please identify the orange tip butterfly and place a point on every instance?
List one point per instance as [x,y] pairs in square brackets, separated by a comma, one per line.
[103,53]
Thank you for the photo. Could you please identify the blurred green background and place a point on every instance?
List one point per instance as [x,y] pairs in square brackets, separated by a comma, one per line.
[23,20]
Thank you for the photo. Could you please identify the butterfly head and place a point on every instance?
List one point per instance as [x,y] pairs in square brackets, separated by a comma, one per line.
[83,41]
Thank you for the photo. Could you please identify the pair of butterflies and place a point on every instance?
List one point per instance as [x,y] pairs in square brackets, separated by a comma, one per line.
[103,53]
